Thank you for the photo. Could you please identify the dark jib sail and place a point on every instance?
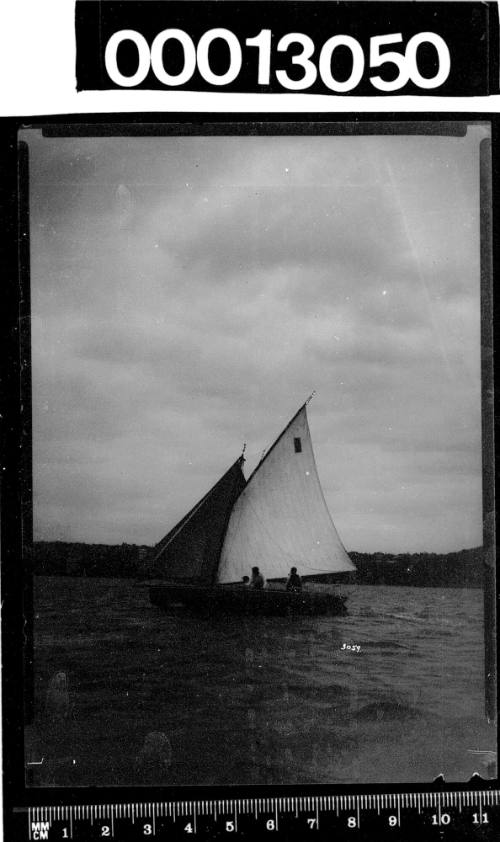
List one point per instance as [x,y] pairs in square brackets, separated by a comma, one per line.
[190,552]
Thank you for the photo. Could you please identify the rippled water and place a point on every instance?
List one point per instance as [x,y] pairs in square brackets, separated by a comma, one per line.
[268,700]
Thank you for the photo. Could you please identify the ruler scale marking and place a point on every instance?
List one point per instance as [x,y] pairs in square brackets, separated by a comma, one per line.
[352,809]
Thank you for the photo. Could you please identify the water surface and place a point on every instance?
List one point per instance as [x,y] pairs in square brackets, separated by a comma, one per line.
[257,700]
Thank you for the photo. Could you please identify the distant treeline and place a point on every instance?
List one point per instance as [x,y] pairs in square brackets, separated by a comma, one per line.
[58,558]
[454,570]
[462,569]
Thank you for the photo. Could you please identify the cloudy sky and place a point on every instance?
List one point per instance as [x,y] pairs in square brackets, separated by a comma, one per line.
[189,293]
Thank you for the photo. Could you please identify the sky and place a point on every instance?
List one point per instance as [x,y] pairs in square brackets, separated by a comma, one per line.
[188,295]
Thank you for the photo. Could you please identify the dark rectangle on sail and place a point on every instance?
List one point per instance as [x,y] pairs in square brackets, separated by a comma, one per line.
[297,445]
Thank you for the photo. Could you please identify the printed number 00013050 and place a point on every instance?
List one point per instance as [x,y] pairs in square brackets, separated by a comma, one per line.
[302,49]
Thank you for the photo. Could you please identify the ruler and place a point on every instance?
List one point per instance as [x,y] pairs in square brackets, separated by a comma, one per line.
[418,816]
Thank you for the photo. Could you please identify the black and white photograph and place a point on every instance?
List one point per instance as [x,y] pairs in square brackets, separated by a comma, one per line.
[258,441]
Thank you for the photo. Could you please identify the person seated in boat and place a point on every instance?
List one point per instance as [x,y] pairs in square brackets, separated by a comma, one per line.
[245,581]
[294,582]
[257,580]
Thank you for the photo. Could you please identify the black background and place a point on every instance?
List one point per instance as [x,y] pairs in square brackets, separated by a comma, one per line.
[469,29]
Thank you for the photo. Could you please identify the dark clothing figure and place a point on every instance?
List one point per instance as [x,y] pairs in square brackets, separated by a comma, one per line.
[294,582]
[257,580]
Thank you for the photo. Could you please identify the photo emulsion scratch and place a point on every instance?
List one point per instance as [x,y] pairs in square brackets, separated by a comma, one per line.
[257,459]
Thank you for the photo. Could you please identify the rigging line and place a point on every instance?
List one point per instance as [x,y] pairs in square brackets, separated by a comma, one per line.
[222,568]
[185,520]
[229,511]
[181,526]
[275,442]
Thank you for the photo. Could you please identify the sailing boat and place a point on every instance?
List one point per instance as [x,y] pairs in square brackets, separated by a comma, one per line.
[275,520]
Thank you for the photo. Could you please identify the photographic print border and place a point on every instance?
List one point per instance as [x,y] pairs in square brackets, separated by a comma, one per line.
[16,492]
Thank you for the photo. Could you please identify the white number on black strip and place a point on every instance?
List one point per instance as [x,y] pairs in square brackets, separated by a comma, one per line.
[304,60]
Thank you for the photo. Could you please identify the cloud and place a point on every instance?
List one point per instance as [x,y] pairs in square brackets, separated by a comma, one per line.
[189,294]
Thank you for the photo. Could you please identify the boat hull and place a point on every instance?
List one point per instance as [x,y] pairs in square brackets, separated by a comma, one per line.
[243,600]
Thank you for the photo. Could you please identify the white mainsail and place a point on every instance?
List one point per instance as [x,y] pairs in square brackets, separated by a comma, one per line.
[281,518]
